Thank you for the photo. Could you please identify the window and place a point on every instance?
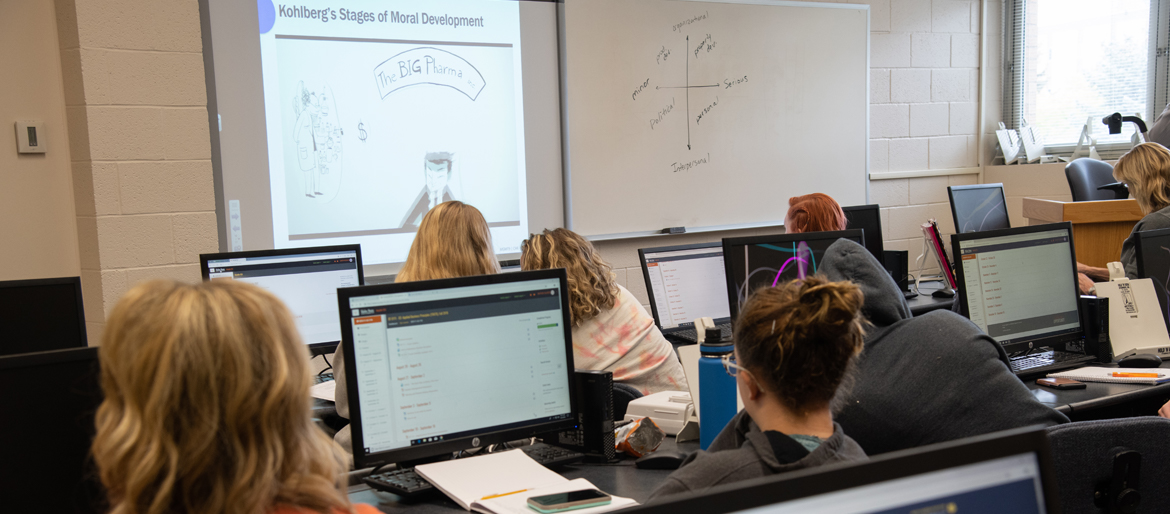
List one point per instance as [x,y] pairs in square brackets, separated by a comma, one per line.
[1069,60]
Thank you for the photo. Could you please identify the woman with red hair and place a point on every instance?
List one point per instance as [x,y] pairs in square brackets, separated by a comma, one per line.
[816,212]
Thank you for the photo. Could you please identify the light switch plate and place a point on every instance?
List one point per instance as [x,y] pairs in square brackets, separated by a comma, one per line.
[30,137]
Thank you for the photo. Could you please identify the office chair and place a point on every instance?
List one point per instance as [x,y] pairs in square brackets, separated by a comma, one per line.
[622,396]
[1086,175]
[1116,465]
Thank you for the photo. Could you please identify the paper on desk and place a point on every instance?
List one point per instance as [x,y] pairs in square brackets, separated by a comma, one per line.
[1098,374]
[518,503]
[469,479]
[324,390]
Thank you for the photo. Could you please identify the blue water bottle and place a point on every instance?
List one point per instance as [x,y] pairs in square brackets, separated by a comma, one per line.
[717,389]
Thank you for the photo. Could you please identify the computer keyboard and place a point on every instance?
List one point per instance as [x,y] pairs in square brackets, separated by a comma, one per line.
[1048,361]
[323,377]
[407,483]
[691,336]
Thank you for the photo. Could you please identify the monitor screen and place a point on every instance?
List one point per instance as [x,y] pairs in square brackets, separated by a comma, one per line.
[444,365]
[50,399]
[686,282]
[1002,472]
[766,261]
[305,279]
[868,218]
[1020,285]
[41,315]
[978,208]
[1153,262]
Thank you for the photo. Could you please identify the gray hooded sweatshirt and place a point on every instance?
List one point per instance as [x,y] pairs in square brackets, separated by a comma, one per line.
[925,379]
[741,451]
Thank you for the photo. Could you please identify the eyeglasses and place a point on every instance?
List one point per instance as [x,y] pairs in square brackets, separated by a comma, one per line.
[730,366]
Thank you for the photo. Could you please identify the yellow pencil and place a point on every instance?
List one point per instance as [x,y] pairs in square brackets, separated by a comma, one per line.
[503,494]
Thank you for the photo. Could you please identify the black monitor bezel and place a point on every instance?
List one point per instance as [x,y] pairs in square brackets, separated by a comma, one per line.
[437,448]
[728,242]
[960,277]
[875,245]
[56,281]
[650,290]
[955,213]
[760,492]
[314,348]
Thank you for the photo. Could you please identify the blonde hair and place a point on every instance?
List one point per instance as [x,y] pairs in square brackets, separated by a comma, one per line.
[1146,170]
[453,240]
[801,338]
[592,287]
[207,406]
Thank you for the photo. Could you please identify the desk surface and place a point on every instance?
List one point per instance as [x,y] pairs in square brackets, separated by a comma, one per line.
[1097,395]
[924,303]
[621,479]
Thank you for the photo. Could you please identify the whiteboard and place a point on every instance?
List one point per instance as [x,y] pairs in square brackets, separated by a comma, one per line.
[710,115]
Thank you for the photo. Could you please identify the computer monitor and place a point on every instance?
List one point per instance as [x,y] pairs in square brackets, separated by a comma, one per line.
[1020,285]
[439,366]
[48,400]
[1008,471]
[41,315]
[305,279]
[868,218]
[685,282]
[1153,262]
[766,261]
[979,207]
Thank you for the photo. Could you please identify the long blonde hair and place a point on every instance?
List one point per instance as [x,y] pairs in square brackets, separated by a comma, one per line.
[1146,169]
[453,240]
[592,287]
[207,406]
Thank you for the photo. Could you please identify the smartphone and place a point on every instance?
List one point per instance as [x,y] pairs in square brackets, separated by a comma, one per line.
[1061,383]
[569,501]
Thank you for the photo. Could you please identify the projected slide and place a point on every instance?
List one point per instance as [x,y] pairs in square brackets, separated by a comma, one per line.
[378,111]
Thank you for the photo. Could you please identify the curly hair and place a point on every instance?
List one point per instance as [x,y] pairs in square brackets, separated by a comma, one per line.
[207,406]
[592,286]
[800,339]
[817,212]
[453,240]
[1146,169]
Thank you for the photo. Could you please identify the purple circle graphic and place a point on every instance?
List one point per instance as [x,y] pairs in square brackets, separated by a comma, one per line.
[267,15]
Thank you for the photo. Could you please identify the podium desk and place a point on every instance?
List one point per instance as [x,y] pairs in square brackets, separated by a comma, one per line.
[1099,227]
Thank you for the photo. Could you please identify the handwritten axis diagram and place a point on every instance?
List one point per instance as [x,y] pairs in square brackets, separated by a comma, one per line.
[705,91]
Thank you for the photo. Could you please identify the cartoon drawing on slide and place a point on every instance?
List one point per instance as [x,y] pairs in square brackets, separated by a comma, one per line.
[437,166]
[317,138]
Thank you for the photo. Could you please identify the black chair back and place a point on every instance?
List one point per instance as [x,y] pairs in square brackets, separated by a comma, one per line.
[1086,175]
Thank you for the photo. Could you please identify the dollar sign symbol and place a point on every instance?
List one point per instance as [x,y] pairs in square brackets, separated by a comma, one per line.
[361,132]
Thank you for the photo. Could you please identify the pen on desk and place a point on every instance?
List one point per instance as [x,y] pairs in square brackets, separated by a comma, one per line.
[1136,375]
[490,496]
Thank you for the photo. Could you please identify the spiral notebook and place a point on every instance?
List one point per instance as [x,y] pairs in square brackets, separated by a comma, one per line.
[1095,374]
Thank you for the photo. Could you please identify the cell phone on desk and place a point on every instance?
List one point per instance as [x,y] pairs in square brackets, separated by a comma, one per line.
[1061,383]
[570,500]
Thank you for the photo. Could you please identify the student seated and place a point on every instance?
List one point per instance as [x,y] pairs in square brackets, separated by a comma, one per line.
[611,329]
[817,212]
[207,407]
[924,379]
[453,240]
[1146,170]
[794,345]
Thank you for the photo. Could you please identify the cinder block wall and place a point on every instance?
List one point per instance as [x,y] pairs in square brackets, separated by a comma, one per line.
[136,107]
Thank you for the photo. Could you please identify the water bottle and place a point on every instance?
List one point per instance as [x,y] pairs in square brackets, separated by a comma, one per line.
[717,389]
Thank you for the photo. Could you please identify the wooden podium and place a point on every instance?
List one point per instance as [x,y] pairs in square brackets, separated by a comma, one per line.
[1099,227]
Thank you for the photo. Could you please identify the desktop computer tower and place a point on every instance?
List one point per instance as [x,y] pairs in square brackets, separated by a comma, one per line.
[594,433]
[898,264]
[1095,321]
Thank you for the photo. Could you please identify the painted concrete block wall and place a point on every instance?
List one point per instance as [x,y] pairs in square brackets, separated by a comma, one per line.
[141,160]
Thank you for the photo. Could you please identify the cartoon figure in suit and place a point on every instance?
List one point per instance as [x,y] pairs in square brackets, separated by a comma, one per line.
[437,167]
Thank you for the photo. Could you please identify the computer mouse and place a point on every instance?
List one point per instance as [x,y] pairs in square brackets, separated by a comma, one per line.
[661,460]
[943,293]
[1141,360]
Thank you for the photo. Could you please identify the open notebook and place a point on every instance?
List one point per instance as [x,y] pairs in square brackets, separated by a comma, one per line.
[1095,374]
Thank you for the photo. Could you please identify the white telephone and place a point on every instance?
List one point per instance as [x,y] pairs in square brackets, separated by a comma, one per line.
[701,326]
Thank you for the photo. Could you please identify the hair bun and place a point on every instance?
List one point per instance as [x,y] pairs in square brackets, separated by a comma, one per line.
[827,309]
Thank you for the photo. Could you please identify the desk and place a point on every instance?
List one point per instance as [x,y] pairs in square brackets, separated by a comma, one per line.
[621,479]
[924,303]
[1102,400]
